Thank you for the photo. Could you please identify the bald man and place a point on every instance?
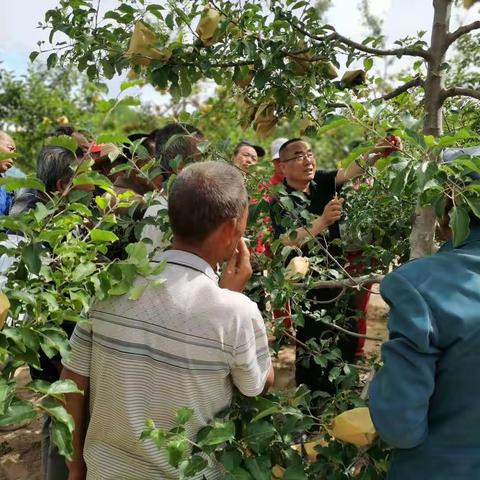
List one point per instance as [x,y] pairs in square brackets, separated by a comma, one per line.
[7,145]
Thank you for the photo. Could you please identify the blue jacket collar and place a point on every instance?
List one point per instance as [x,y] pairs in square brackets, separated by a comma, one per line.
[473,237]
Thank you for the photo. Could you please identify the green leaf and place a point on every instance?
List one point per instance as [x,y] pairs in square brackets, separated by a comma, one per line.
[98,235]
[368,63]
[259,435]
[62,438]
[176,451]
[267,412]
[259,467]
[63,141]
[50,300]
[102,202]
[295,472]
[239,474]
[121,277]
[7,390]
[16,183]
[137,251]
[195,464]
[354,154]
[108,68]
[474,204]
[23,337]
[54,340]
[113,138]
[430,141]
[448,140]
[40,212]
[137,291]
[56,389]
[33,56]
[221,432]
[459,223]
[183,415]
[131,83]
[334,124]
[83,270]
[9,155]
[18,412]
[52,60]
[31,255]
[231,459]
[160,438]
[93,178]
[58,412]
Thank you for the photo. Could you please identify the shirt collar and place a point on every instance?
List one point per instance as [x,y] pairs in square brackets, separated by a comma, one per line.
[189,260]
[474,236]
[290,189]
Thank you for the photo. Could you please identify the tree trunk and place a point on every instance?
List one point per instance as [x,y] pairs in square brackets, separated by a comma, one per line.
[423,231]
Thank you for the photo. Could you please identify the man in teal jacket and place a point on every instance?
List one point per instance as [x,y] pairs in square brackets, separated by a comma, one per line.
[425,400]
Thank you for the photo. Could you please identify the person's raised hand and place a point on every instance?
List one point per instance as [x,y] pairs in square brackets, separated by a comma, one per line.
[238,269]
[333,211]
[388,145]
[6,165]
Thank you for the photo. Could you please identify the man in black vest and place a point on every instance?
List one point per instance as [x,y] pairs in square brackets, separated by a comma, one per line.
[319,197]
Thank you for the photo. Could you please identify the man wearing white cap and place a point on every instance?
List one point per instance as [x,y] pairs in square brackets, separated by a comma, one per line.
[278,175]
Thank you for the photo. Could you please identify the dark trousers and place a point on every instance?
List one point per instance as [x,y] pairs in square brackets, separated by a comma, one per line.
[313,375]
[53,464]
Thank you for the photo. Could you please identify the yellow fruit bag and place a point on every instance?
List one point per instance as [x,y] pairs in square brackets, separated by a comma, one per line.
[140,50]
[309,448]
[297,267]
[4,309]
[265,120]
[208,25]
[354,426]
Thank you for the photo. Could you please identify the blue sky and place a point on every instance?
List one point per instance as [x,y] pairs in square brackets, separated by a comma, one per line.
[19,32]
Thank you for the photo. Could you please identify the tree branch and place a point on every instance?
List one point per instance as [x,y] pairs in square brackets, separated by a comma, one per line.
[460,92]
[409,51]
[381,52]
[416,82]
[451,37]
[336,105]
[346,282]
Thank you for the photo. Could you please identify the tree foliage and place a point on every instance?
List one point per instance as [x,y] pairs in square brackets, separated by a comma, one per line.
[276,67]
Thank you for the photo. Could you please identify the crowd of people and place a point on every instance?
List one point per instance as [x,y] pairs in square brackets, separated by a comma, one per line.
[190,343]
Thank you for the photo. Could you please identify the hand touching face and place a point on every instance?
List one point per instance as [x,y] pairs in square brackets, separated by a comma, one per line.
[7,145]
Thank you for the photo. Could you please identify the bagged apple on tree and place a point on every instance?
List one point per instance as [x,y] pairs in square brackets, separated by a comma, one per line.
[141,50]
[265,120]
[208,25]
[4,309]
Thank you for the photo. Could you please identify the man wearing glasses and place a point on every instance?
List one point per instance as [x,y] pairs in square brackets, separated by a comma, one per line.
[7,145]
[317,193]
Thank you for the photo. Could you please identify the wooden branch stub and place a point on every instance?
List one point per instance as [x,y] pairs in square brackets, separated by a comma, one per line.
[346,282]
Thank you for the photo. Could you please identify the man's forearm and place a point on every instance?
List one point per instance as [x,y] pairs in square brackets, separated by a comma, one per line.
[76,406]
[270,380]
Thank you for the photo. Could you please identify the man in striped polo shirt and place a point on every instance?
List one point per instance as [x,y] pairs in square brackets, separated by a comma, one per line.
[184,344]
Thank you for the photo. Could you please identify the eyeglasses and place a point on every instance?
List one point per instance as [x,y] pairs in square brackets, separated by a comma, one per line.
[300,157]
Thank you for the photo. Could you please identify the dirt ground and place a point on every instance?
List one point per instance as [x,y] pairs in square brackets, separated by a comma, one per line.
[20,449]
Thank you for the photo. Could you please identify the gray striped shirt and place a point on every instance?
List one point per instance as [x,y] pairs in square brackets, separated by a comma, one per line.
[183,344]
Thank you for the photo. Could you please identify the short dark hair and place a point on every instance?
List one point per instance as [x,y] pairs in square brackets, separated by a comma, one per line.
[245,143]
[53,164]
[175,139]
[67,130]
[63,130]
[288,142]
[203,196]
